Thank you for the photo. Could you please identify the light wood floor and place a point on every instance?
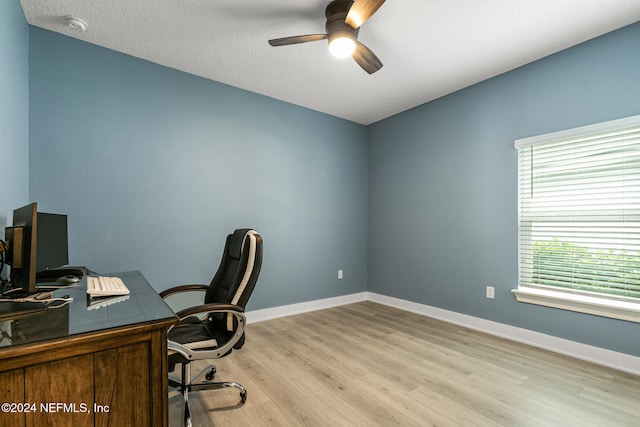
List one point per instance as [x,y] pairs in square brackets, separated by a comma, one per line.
[367,364]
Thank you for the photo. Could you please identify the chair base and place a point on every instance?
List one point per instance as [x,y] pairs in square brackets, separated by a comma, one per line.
[223,384]
[209,386]
[185,389]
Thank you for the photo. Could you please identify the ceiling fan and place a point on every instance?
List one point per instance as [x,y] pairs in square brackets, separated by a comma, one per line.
[344,18]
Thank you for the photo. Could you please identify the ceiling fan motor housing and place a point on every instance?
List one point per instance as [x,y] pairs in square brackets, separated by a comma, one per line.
[336,27]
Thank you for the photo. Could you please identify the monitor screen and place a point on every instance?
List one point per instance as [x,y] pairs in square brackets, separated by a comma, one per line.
[25,218]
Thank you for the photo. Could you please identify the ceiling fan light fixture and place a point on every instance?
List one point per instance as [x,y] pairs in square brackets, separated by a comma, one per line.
[342,45]
[344,18]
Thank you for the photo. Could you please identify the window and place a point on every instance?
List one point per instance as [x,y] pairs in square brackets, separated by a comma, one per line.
[579,219]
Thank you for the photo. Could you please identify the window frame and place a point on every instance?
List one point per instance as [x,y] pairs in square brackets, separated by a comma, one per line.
[606,305]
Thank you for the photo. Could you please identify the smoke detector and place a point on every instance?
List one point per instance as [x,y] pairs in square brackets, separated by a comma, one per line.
[76,23]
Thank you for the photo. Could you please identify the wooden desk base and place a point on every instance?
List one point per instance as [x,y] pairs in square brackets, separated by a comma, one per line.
[116,377]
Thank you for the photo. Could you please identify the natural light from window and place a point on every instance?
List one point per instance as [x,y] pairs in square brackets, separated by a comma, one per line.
[579,217]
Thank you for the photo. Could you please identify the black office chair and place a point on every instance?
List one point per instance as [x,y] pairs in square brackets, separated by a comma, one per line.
[214,328]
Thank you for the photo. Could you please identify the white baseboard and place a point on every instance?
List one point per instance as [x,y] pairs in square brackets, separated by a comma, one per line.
[303,307]
[621,361]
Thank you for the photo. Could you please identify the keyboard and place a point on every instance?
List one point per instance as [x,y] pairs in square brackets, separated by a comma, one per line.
[106,286]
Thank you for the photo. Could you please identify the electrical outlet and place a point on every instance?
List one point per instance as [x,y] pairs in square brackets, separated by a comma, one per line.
[490,292]
[340,274]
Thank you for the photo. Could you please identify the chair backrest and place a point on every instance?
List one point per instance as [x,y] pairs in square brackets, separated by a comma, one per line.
[239,268]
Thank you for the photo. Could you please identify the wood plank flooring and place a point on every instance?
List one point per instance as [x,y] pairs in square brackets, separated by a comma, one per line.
[366,364]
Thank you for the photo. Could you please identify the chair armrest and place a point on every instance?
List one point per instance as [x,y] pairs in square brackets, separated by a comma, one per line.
[184,296]
[209,308]
[183,288]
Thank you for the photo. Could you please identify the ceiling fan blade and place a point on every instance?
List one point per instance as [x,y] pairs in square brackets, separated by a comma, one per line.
[366,59]
[361,10]
[297,39]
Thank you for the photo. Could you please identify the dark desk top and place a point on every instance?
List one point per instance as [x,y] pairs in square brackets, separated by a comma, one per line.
[143,305]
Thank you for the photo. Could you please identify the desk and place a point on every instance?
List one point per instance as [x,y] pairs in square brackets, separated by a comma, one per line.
[73,366]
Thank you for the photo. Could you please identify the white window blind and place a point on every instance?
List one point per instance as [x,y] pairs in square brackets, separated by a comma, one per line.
[579,210]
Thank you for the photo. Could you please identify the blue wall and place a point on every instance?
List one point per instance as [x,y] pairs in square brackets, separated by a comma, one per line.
[443,185]
[14,110]
[430,193]
[154,167]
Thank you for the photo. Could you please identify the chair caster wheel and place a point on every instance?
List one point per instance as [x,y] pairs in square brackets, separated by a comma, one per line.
[211,374]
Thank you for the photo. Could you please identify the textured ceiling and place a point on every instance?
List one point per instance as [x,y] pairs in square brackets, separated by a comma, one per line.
[429,48]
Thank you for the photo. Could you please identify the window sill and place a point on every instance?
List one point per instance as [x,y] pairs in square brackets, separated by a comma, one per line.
[623,310]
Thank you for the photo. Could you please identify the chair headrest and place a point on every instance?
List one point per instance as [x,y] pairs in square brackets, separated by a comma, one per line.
[236,243]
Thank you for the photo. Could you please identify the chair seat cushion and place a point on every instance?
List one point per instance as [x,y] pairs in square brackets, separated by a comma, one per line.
[197,334]
[193,329]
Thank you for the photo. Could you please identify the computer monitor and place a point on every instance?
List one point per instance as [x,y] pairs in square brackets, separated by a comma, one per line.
[52,248]
[37,242]
[22,247]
